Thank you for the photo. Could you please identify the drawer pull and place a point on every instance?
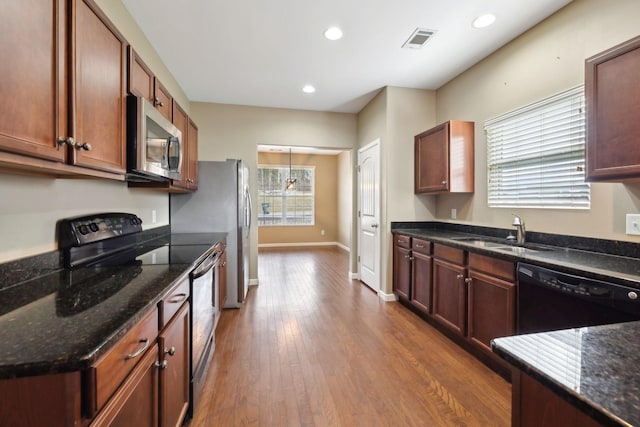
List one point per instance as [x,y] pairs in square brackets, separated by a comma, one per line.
[177,298]
[170,351]
[420,246]
[145,342]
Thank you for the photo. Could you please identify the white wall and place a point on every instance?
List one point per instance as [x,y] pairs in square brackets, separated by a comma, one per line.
[545,60]
[234,132]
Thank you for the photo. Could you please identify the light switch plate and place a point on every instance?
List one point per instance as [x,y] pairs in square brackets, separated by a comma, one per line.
[633,224]
[454,213]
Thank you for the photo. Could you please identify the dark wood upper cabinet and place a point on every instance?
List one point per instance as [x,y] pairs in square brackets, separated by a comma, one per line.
[34,112]
[613,113]
[65,84]
[444,159]
[142,82]
[98,91]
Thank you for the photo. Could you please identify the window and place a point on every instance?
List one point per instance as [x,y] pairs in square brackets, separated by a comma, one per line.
[277,206]
[536,154]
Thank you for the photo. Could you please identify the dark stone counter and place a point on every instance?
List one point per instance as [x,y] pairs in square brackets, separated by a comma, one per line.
[55,320]
[594,368]
[582,257]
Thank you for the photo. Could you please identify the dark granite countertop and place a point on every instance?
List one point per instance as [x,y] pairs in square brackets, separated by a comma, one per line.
[61,320]
[594,368]
[554,254]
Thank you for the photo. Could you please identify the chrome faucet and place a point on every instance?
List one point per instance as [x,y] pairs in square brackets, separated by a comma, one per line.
[520,230]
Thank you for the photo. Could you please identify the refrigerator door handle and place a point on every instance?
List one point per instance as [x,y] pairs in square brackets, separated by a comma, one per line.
[249,207]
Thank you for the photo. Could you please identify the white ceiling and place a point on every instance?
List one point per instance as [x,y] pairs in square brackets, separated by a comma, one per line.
[262,52]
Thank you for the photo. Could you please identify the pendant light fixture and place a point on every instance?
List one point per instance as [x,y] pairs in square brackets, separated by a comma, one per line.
[291,181]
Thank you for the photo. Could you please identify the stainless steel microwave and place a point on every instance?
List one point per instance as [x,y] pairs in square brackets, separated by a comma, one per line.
[154,144]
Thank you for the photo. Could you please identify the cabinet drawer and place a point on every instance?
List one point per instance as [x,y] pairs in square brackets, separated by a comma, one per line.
[493,266]
[422,246]
[453,255]
[172,302]
[402,241]
[108,372]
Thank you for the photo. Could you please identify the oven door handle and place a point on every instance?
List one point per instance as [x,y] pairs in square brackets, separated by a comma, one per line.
[206,266]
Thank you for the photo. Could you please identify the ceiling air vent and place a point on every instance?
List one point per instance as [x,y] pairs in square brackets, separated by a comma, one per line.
[419,37]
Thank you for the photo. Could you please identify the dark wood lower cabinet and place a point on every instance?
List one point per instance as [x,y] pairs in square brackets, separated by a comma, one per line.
[449,295]
[175,369]
[135,403]
[421,282]
[491,309]
[535,405]
[402,271]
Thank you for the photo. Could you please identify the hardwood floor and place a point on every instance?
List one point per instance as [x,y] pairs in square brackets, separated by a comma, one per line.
[312,348]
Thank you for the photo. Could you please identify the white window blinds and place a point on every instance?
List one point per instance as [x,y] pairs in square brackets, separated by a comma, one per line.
[536,154]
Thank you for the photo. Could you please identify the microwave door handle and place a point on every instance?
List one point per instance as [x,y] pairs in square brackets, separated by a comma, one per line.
[171,141]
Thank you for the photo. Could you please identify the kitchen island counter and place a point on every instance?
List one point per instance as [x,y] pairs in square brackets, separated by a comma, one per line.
[592,368]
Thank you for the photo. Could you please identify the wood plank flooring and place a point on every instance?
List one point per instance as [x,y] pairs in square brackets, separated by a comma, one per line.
[313,348]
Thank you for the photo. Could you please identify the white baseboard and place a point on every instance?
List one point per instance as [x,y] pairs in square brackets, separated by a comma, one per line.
[292,245]
[253,282]
[387,297]
[354,276]
[343,247]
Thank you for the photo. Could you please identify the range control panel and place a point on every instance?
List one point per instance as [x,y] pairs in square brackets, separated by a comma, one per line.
[94,228]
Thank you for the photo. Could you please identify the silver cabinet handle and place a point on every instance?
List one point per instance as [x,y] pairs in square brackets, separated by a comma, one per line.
[409,257]
[468,280]
[157,102]
[444,182]
[189,180]
[162,365]
[400,241]
[84,146]
[170,351]
[460,276]
[62,140]
[145,342]
[419,246]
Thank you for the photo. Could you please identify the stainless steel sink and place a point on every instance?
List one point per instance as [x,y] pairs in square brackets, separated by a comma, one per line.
[503,246]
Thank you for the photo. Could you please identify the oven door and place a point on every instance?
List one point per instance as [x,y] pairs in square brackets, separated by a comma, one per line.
[203,314]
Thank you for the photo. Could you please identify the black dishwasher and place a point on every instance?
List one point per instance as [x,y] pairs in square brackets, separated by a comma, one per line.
[550,300]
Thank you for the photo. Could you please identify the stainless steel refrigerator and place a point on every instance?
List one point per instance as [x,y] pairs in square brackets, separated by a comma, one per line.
[221,204]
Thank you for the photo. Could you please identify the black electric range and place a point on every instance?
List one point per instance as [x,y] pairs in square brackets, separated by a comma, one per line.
[64,320]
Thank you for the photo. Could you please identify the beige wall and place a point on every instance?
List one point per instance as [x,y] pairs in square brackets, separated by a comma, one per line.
[326,201]
[395,116]
[30,206]
[545,60]
[345,199]
[233,131]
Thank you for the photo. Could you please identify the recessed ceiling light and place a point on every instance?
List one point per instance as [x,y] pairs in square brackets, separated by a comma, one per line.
[308,89]
[333,33]
[484,20]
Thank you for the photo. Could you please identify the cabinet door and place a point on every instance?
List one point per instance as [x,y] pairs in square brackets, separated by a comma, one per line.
[140,79]
[162,100]
[98,90]
[402,272]
[613,113]
[136,401]
[491,309]
[449,295]
[181,121]
[174,375]
[192,156]
[33,112]
[421,283]
[431,159]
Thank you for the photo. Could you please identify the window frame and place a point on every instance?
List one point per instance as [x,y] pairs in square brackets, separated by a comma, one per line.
[536,155]
[284,171]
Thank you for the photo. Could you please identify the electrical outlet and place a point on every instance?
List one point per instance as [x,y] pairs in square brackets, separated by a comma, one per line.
[154,218]
[454,213]
[633,224]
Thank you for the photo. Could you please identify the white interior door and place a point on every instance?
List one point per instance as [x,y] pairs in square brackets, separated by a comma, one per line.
[369,214]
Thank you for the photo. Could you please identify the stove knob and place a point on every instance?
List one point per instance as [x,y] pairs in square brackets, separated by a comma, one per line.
[83,229]
[632,295]
[93,227]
